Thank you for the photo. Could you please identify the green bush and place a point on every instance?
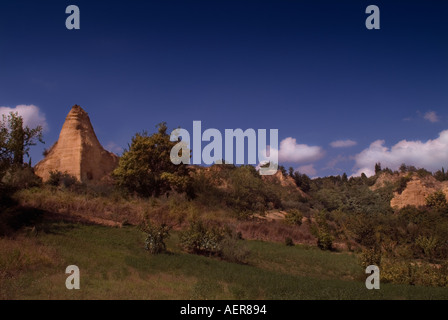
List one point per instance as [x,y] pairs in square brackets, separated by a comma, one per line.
[437,200]
[289,242]
[324,240]
[294,217]
[202,239]
[428,245]
[423,274]
[156,236]
[321,231]
[58,178]
[369,257]
[208,239]
[402,184]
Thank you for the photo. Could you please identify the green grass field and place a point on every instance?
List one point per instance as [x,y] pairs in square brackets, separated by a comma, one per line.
[114,265]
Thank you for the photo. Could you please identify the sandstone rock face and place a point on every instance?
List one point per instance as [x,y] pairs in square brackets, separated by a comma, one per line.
[416,192]
[78,151]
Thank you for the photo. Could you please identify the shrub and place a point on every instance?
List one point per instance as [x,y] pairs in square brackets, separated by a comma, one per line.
[324,240]
[156,236]
[428,245]
[289,242]
[202,239]
[294,217]
[322,232]
[402,184]
[423,274]
[437,200]
[58,178]
[369,257]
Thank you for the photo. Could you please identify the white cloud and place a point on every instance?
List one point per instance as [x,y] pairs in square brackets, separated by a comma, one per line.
[32,116]
[431,155]
[343,143]
[431,116]
[308,169]
[291,151]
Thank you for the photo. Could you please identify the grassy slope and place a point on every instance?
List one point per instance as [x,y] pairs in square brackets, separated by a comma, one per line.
[114,265]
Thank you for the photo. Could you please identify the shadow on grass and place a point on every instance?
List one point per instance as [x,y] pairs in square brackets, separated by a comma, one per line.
[17,217]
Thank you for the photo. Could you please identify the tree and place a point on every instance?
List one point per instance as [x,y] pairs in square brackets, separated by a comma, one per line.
[146,168]
[377,168]
[302,181]
[283,170]
[403,168]
[437,200]
[440,175]
[16,140]
[291,172]
[344,178]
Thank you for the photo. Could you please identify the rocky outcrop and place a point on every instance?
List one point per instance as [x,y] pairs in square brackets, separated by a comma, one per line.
[78,151]
[416,192]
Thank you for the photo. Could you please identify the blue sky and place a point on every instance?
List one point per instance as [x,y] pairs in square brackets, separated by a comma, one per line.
[308,68]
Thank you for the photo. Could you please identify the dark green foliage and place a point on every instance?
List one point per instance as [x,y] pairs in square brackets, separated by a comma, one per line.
[370,256]
[289,242]
[402,183]
[441,175]
[283,170]
[294,217]
[321,231]
[21,177]
[353,196]
[378,168]
[291,172]
[403,168]
[302,181]
[62,179]
[146,168]
[437,200]
[249,193]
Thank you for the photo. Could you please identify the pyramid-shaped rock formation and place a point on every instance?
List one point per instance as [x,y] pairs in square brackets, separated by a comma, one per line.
[78,151]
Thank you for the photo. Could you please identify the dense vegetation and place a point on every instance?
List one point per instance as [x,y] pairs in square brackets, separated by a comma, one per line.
[209,211]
